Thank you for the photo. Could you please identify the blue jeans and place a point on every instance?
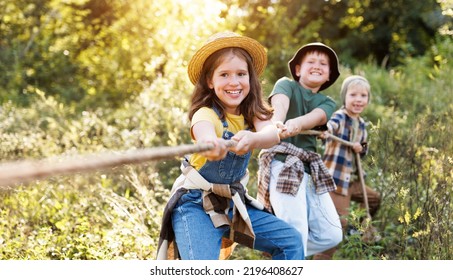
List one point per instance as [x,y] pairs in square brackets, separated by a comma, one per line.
[198,239]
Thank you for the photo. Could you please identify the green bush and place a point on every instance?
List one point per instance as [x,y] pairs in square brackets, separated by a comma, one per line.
[116,214]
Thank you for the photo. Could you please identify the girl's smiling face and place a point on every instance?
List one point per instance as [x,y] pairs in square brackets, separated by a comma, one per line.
[231,82]
[356,99]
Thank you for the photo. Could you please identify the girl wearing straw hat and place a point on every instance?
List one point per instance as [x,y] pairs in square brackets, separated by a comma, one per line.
[209,208]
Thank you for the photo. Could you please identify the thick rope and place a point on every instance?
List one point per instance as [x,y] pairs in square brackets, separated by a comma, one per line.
[317,133]
[24,171]
[28,170]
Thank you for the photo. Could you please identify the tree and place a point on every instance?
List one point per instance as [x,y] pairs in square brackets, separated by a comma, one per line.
[383,31]
[389,31]
[91,52]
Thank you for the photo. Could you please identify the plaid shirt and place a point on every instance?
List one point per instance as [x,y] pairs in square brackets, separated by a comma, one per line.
[292,173]
[338,158]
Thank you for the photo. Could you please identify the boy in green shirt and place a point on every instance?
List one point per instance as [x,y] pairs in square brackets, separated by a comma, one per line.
[293,181]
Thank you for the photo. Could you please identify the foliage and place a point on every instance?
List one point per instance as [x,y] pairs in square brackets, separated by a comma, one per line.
[385,32]
[389,31]
[110,215]
[92,52]
[75,219]
[90,91]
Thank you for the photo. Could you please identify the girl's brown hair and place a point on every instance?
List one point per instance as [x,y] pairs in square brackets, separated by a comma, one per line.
[254,105]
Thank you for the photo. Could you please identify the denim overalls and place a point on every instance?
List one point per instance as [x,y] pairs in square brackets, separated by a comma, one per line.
[196,236]
[228,170]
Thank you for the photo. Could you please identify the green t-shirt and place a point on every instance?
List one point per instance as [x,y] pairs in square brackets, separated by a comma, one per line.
[301,102]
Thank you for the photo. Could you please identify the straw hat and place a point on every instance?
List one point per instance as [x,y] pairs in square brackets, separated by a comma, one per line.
[223,40]
[333,60]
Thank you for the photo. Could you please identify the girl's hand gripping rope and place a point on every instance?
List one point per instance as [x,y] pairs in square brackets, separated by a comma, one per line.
[243,142]
[219,150]
[266,136]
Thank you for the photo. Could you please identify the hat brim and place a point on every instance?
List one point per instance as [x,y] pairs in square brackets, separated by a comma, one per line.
[333,61]
[229,40]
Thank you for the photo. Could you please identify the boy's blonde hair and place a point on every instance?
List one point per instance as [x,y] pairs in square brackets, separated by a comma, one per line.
[352,81]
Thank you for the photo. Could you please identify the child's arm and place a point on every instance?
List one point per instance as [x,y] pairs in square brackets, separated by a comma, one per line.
[265,136]
[364,144]
[307,121]
[280,103]
[204,132]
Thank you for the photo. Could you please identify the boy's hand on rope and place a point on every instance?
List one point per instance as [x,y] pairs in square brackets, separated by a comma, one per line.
[289,129]
[357,147]
[324,135]
[282,129]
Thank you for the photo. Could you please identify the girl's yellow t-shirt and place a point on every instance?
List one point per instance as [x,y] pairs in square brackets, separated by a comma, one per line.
[235,124]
